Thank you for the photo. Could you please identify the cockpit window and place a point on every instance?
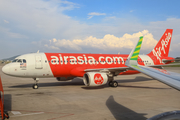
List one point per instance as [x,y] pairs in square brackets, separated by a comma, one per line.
[20,61]
[24,61]
[15,60]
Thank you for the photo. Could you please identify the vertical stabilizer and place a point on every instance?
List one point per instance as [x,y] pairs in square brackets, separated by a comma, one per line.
[161,50]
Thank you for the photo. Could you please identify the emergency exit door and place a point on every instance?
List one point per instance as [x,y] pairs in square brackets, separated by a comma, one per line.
[38,60]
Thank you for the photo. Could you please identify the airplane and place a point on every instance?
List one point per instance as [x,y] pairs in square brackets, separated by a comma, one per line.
[96,69]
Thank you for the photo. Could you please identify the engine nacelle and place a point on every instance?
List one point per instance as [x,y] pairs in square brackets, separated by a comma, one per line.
[64,78]
[95,78]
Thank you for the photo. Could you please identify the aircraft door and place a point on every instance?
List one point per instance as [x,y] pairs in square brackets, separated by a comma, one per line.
[38,62]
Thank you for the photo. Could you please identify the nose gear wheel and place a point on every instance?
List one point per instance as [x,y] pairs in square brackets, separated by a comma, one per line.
[35,86]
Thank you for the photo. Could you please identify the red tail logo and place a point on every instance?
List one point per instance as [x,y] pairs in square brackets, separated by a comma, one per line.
[162,48]
[98,79]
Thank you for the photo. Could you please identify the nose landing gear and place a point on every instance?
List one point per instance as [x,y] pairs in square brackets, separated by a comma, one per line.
[35,86]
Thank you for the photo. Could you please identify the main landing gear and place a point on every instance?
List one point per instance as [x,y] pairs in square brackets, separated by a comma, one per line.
[35,86]
[113,83]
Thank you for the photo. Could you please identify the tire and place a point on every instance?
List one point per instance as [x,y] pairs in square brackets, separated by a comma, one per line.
[35,86]
[114,84]
[110,83]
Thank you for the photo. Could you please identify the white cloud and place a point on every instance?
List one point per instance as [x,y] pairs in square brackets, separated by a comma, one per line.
[95,14]
[39,17]
[89,17]
[51,47]
[6,21]
[10,34]
[106,43]
[39,20]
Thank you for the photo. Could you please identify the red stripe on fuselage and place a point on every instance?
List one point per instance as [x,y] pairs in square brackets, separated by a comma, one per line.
[72,64]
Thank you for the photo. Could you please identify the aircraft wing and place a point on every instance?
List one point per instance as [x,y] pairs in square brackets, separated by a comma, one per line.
[123,69]
[170,78]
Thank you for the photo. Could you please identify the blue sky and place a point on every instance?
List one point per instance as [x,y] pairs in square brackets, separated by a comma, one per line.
[144,10]
[88,26]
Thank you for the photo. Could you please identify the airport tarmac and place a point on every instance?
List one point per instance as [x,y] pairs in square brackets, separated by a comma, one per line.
[137,97]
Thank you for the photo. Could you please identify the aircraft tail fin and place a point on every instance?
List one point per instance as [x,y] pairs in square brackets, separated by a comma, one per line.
[161,49]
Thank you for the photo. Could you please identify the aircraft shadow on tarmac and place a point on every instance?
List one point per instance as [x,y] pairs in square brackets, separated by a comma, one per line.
[121,112]
[137,79]
[79,82]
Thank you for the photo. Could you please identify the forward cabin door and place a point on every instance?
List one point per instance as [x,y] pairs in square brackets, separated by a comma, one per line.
[38,60]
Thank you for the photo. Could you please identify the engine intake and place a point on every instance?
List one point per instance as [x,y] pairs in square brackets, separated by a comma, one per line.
[95,78]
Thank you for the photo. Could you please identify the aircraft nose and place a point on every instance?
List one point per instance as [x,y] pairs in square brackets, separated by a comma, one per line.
[6,69]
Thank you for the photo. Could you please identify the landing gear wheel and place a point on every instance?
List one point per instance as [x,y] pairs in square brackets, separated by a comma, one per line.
[114,84]
[110,83]
[35,86]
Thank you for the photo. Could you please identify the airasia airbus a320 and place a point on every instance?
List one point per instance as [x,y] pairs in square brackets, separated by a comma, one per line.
[96,69]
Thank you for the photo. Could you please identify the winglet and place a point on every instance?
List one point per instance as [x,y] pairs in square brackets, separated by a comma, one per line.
[133,56]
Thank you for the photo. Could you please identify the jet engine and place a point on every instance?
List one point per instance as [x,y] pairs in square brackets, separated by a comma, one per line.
[64,78]
[95,78]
